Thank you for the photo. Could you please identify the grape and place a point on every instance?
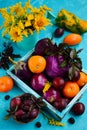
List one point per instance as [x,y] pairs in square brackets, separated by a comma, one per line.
[78,108]
[58,32]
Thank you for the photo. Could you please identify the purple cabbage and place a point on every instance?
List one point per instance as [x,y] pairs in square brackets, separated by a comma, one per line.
[53,68]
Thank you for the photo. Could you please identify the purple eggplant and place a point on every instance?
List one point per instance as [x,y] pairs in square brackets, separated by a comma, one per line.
[42,46]
[21,70]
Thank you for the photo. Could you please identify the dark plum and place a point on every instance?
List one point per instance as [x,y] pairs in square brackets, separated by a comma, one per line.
[42,45]
[58,32]
[60,104]
[15,102]
[27,102]
[25,108]
[25,118]
[58,83]
[34,113]
[19,114]
[78,108]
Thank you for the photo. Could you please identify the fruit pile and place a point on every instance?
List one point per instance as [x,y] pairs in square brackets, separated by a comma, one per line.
[25,108]
[53,71]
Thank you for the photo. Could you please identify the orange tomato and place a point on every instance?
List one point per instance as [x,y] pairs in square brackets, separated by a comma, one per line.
[82,80]
[70,89]
[36,63]
[72,39]
[6,84]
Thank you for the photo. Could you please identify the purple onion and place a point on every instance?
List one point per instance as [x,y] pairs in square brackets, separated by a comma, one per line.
[51,95]
[38,82]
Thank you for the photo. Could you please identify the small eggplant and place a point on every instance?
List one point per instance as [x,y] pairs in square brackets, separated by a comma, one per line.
[21,70]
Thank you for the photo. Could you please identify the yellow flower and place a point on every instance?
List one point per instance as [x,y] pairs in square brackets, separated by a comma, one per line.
[6,24]
[25,33]
[40,22]
[27,5]
[23,20]
[15,33]
[30,16]
[28,21]
[3,11]
[35,10]
[20,25]
[47,86]
[44,9]
[55,122]
[17,9]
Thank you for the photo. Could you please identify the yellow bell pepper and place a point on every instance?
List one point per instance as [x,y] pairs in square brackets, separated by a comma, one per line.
[71,22]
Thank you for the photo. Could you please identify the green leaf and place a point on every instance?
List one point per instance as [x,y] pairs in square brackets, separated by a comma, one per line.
[63,64]
[73,53]
[71,72]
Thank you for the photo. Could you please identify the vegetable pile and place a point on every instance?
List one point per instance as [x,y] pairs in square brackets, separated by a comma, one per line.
[54,72]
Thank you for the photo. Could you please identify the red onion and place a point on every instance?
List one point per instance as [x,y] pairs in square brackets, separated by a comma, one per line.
[38,82]
[51,95]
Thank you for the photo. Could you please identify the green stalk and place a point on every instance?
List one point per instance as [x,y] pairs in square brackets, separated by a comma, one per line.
[14,62]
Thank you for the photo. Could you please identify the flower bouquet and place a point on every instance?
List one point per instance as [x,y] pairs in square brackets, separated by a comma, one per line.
[22,21]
